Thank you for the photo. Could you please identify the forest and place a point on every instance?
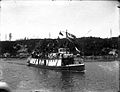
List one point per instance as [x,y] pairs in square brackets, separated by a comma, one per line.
[88,46]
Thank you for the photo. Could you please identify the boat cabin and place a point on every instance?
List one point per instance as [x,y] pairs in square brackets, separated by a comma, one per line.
[63,50]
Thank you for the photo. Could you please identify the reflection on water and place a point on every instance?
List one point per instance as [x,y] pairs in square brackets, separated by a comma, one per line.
[60,81]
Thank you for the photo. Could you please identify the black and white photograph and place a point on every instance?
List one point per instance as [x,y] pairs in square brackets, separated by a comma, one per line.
[59,46]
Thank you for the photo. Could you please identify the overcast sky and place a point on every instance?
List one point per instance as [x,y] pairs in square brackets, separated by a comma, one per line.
[38,19]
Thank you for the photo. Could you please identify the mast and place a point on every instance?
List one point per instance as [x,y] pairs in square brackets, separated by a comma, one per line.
[119,34]
[66,33]
[66,41]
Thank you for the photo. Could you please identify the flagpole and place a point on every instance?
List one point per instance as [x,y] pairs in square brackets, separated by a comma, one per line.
[66,33]
[66,41]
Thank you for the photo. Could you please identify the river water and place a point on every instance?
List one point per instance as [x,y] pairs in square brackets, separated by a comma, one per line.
[98,77]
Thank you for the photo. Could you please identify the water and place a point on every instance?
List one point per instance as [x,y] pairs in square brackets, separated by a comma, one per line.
[98,77]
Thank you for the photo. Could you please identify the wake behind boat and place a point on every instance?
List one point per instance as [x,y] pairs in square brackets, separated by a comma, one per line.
[63,59]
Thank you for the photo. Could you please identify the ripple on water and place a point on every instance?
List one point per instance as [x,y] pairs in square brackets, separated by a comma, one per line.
[99,77]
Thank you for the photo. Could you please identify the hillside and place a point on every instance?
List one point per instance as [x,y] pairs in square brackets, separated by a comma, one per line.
[87,45]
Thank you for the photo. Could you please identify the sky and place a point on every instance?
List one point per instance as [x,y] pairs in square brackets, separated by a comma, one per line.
[44,19]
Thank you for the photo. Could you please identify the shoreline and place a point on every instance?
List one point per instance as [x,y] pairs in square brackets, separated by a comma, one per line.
[86,59]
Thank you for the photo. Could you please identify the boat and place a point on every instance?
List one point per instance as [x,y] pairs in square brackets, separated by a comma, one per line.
[63,60]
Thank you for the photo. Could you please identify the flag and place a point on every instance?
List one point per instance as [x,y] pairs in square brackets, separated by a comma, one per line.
[69,39]
[71,36]
[60,33]
[77,49]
